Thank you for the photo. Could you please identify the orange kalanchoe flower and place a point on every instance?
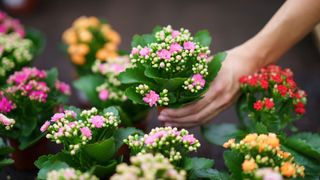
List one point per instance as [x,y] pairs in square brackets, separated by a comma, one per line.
[89,39]
[264,151]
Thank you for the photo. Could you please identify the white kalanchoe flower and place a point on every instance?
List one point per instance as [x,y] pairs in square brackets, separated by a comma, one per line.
[8,123]
[69,174]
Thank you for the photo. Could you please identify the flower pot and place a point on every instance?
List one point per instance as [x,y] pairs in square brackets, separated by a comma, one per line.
[20,6]
[159,109]
[24,159]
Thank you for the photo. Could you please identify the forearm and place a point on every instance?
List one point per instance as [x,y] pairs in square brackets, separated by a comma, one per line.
[290,24]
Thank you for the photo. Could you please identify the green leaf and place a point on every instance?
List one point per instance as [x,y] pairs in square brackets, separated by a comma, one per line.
[113,110]
[87,85]
[142,40]
[233,161]
[37,39]
[26,142]
[52,76]
[220,133]
[197,163]
[203,37]
[261,128]
[211,174]
[6,162]
[104,171]
[214,65]
[101,151]
[122,133]
[305,143]
[49,166]
[133,75]
[134,96]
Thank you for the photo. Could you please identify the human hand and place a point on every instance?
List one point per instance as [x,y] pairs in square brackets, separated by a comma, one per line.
[222,92]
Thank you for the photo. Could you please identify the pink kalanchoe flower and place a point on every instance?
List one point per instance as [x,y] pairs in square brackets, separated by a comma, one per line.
[117,68]
[97,121]
[189,138]
[45,126]
[3,15]
[145,51]
[203,55]
[72,124]
[189,45]
[86,132]
[150,140]
[70,113]
[151,98]
[175,47]
[3,28]
[63,87]
[175,34]
[134,51]
[164,54]
[5,105]
[198,80]
[5,120]
[70,174]
[56,117]
[103,95]
[268,174]
[40,96]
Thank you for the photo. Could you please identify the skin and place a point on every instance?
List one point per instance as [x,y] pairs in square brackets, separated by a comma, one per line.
[289,25]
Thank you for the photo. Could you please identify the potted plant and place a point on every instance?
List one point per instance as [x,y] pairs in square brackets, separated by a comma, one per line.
[170,67]
[30,97]
[90,140]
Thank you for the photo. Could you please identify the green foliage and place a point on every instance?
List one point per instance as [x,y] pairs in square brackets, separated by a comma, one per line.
[233,161]
[37,38]
[203,37]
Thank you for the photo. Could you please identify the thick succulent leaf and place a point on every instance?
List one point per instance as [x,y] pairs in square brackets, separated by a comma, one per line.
[203,37]
[123,133]
[211,174]
[112,109]
[104,171]
[233,161]
[305,143]
[52,76]
[142,40]
[220,133]
[27,141]
[134,76]
[6,162]
[214,65]
[88,84]
[134,96]
[37,38]
[197,163]
[101,151]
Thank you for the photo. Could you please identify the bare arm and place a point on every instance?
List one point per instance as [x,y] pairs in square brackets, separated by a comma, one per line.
[289,25]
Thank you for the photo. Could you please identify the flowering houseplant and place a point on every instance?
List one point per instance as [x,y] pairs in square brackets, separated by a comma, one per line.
[69,174]
[148,166]
[90,140]
[89,39]
[103,89]
[170,67]
[174,145]
[17,45]
[29,98]
[249,158]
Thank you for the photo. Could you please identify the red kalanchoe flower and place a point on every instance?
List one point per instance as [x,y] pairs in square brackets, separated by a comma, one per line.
[264,84]
[300,108]
[269,104]
[276,78]
[282,89]
[258,105]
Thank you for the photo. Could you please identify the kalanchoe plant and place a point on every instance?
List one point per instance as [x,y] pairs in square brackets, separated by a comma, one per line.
[5,150]
[90,140]
[30,97]
[15,53]
[148,166]
[171,142]
[11,25]
[103,89]
[170,67]
[69,174]
[254,152]
[270,97]
[175,145]
[89,39]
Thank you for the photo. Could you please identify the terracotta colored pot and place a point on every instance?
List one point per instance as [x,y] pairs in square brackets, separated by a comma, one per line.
[160,108]
[20,6]
[24,159]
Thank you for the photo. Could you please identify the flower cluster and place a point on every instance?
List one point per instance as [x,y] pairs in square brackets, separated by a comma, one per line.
[31,83]
[278,88]
[15,52]
[151,97]
[6,122]
[148,166]
[262,151]
[75,130]
[170,142]
[111,89]
[175,52]
[69,174]
[10,25]
[5,104]
[89,39]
